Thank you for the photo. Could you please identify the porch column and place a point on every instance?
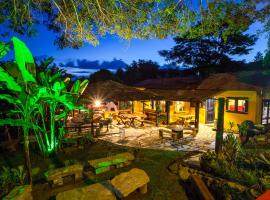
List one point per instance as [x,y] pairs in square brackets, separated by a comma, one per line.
[119,105]
[197,115]
[157,112]
[220,125]
[132,106]
[168,103]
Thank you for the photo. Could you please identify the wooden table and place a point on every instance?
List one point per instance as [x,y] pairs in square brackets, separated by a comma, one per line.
[187,119]
[131,119]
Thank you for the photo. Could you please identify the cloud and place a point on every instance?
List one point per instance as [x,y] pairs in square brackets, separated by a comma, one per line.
[95,64]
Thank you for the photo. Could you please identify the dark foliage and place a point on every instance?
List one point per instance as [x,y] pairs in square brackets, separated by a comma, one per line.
[102,75]
[209,53]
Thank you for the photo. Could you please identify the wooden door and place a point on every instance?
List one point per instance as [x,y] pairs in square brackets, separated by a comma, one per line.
[210,110]
[266,111]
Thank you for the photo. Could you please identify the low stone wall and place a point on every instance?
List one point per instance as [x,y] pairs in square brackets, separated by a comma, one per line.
[186,172]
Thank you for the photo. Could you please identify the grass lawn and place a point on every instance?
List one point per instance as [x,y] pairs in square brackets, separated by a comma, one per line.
[163,185]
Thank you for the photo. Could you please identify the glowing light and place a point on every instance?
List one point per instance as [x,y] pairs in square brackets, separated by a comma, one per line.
[97,103]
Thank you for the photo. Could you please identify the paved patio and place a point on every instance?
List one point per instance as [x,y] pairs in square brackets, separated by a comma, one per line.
[148,137]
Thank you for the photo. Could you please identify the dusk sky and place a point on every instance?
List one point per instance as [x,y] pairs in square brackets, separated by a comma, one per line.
[111,47]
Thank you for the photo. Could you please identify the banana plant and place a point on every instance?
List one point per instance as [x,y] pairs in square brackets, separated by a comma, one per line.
[41,101]
[57,102]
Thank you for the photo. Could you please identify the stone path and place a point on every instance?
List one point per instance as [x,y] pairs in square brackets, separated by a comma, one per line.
[148,137]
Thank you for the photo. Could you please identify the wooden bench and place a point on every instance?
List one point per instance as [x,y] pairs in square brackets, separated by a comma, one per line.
[56,175]
[200,188]
[105,164]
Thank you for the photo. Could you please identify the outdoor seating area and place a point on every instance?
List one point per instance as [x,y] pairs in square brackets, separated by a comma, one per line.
[135,100]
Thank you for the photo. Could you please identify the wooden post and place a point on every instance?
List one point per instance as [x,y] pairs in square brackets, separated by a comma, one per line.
[132,107]
[157,112]
[197,115]
[143,106]
[168,103]
[220,125]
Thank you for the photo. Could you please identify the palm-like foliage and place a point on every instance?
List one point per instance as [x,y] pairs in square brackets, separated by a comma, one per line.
[41,102]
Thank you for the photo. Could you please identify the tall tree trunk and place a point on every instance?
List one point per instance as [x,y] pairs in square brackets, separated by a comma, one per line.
[27,156]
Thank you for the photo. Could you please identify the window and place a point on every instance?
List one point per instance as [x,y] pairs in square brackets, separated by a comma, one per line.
[237,105]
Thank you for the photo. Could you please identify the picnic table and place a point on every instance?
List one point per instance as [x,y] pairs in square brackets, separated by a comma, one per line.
[128,119]
[187,119]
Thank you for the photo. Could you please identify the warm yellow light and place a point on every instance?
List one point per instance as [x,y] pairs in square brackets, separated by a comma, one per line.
[97,103]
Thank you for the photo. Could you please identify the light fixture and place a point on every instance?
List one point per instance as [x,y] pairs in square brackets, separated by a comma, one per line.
[97,103]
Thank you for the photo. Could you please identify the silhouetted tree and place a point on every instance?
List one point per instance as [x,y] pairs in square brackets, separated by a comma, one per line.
[266,60]
[120,74]
[102,75]
[140,70]
[258,57]
[210,52]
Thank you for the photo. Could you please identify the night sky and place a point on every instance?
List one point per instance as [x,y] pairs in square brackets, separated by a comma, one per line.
[112,47]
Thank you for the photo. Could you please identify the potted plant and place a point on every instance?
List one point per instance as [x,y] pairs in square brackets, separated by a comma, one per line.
[243,132]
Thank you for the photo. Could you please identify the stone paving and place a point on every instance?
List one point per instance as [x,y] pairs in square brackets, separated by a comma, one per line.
[148,137]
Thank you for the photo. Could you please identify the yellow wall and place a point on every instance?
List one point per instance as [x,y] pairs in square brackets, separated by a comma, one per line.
[254,108]
[138,106]
[174,116]
[202,117]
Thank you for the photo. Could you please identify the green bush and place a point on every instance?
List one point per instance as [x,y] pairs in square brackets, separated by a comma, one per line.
[11,177]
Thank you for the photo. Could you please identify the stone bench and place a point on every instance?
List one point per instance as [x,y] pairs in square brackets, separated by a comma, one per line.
[96,192]
[23,192]
[57,175]
[119,187]
[128,182]
[105,164]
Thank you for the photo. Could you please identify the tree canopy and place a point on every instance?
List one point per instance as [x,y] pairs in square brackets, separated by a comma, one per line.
[209,51]
[76,21]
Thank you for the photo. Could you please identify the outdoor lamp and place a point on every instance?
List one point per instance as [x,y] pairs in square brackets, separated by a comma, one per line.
[97,103]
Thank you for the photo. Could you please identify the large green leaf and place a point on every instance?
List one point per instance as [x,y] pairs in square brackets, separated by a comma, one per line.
[54,77]
[58,87]
[23,56]
[9,80]
[75,88]
[10,99]
[60,116]
[19,122]
[83,86]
